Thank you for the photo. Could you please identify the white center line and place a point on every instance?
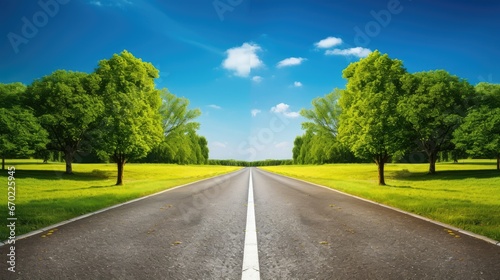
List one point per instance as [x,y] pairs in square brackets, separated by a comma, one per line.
[251,252]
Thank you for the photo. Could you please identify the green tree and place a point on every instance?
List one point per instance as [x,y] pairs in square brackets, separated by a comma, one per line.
[434,105]
[175,113]
[324,116]
[297,146]
[68,107]
[323,145]
[203,143]
[20,134]
[369,123]
[180,144]
[131,125]
[479,133]
[488,94]
[11,94]
[305,155]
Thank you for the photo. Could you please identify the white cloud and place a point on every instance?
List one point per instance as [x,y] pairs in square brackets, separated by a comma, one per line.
[284,109]
[219,144]
[243,59]
[357,51]
[328,42]
[282,145]
[96,3]
[297,84]
[257,79]
[213,106]
[292,61]
[255,112]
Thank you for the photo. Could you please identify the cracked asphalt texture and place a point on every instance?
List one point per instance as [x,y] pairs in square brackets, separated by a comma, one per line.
[303,232]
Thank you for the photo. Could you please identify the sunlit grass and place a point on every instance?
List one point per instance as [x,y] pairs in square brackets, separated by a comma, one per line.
[45,195]
[466,195]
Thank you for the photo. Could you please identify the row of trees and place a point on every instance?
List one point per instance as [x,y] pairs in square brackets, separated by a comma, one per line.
[115,112]
[385,113]
[267,162]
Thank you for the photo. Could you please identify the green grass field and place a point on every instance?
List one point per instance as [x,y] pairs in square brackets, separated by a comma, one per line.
[45,195]
[465,195]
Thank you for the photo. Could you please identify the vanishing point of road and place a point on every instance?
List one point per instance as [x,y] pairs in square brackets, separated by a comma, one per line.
[252,224]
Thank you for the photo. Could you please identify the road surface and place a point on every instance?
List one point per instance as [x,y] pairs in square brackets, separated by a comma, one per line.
[207,229]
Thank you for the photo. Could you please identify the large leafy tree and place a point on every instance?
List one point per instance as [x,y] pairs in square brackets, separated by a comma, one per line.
[131,125]
[20,134]
[488,94]
[181,147]
[479,133]
[176,115]
[370,124]
[324,115]
[203,143]
[320,148]
[68,108]
[11,94]
[180,142]
[434,105]
[322,145]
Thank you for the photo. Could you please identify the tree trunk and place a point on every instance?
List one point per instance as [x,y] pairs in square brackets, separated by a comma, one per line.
[432,162]
[380,161]
[120,162]
[381,178]
[498,162]
[68,158]
[3,163]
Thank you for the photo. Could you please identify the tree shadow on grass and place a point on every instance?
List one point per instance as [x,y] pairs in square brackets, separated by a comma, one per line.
[492,163]
[95,175]
[424,189]
[84,188]
[447,175]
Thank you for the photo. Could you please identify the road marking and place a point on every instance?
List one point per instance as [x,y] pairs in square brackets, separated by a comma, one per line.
[251,251]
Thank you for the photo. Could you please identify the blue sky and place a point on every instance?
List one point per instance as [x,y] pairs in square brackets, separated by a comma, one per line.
[250,66]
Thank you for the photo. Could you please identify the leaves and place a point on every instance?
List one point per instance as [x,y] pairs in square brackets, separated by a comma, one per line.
[175,113]
[324,115]
[131,124]
[20,133]
[434,104]
[67,106]
[479,134]
[369,123]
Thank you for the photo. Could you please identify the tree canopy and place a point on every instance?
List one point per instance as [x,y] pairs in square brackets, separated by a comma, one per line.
[130,126]
[324,115]
[434,104]
[370,124]
[180,143]
[68,107]
[479,133]
[20,134]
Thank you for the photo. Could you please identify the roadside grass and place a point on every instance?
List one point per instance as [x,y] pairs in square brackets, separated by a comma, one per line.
[45,195]
[465,195]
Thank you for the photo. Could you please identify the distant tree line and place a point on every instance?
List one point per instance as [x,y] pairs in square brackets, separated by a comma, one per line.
[267,162]
[386,114]
[112,114]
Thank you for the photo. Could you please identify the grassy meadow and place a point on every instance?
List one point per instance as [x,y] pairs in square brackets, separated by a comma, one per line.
[45,195]
[465,195]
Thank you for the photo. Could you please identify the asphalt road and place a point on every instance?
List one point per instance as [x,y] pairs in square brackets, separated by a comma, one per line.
[303,232]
